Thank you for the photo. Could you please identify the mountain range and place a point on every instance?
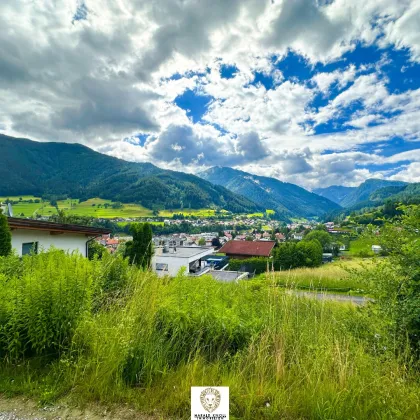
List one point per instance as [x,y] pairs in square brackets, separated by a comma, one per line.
[49,168]
[29,167]
[288,200]
[351,196]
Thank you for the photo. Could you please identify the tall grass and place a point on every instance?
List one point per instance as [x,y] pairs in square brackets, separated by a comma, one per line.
[336,277]
[147,340]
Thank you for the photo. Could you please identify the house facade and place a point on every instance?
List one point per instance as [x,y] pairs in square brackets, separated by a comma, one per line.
[168,261]
[33,236]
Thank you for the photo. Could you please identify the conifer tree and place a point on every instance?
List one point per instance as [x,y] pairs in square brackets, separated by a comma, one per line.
[5,236]
[140,249]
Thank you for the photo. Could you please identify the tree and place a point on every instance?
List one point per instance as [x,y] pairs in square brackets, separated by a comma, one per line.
[395,282]
[323,237]
[140,249]
[201,241]
[5,236]
[215,242]
[95,249]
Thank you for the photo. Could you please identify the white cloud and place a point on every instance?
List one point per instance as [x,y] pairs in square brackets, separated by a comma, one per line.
[107,77]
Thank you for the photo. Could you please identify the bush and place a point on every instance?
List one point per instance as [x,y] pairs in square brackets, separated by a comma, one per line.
[251,265]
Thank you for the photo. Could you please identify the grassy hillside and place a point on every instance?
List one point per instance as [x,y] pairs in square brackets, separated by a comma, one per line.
[288,200]
[28,167]
[363,191]
[95,207]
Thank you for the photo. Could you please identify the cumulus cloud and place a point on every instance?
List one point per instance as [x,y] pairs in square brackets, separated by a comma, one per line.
[101,72]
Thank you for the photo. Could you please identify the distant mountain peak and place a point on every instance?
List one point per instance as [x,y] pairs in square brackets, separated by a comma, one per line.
[350,196]
[288,200]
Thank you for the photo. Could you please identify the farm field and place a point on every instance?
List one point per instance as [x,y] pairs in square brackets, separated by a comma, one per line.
[96,207]
[188,212]
[261,214]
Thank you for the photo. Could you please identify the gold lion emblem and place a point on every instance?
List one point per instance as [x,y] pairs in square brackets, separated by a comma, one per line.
[210,399]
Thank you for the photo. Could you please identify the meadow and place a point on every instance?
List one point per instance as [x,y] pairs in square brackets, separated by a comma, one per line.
[94,207]
[362,247]
[335,277]
[106,332]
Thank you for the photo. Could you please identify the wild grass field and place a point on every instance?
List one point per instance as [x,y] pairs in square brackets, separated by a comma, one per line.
[106,332]
[335,277]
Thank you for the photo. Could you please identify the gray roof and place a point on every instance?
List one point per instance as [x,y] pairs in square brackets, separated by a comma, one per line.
[226,275]
[185,251]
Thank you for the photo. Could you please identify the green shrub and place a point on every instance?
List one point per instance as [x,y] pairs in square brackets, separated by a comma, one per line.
[251,265]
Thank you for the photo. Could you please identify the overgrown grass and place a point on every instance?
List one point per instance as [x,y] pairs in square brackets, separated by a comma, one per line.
[335,277]
[129,336]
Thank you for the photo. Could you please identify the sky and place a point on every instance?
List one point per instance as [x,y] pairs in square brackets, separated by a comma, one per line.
[313,92]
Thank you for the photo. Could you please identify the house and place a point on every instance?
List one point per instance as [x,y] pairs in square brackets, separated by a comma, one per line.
[112,245]
[218,262]
[297,236]
[280,237]
[168,261]
[376,249]
[247,249]
[35,235]
[327,257]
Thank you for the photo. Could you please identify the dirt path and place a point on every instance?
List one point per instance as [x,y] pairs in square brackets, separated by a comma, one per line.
[24,409]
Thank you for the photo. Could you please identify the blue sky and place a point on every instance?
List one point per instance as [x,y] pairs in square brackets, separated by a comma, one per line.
[313,92]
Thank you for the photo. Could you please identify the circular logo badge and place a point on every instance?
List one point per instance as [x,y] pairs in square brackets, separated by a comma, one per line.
[210,399]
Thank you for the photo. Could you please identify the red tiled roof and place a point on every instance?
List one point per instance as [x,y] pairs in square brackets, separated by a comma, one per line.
[250,248]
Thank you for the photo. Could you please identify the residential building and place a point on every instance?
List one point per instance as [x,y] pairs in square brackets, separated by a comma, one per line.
[32,236]
[247,249]
[168,261]
[376,249]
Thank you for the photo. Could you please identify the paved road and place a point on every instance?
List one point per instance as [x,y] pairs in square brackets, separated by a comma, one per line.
[358,300]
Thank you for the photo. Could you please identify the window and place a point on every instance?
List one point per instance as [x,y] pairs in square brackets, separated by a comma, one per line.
[30,248]
[161,267]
